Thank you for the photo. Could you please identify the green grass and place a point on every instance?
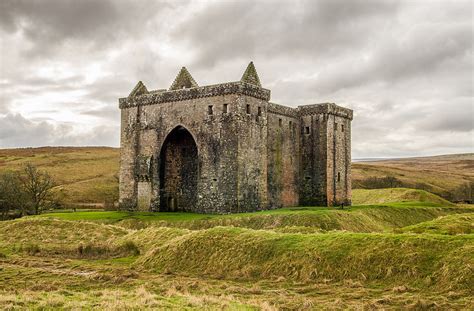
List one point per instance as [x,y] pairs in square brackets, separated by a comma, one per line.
[450,224]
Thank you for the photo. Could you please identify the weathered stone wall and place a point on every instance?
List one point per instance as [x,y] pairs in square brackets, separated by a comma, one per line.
[252,162]
[225,148]
[283,156]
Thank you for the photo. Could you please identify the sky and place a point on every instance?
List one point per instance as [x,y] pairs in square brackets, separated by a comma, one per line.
[404,67]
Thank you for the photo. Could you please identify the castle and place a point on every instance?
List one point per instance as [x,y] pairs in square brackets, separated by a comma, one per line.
[226,148]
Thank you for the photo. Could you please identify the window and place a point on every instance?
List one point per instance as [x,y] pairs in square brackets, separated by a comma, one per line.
[342,127]
[225,108]
[338,177]
[248,109]
[209,110]
[335,126]
[280,122]
[306,129]
[259,111]
[290,124]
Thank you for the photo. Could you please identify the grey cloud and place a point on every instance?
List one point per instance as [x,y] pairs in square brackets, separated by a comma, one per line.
[16,131]
[106,112]
[50,24]
[244,29]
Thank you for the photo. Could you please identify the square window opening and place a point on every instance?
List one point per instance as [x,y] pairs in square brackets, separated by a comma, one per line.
[306,129]
[259,113]
[225,108]
[248,109]
[210,110]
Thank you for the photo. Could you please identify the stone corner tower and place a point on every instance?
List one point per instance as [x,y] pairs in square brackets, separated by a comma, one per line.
[226,148]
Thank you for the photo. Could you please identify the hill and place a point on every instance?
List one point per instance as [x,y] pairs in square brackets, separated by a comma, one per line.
[84,174]
[441,175]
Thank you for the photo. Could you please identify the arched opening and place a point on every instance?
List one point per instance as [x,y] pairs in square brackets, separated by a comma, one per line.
[178,171]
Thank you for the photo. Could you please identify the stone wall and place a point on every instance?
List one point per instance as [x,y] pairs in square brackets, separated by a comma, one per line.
[283,156]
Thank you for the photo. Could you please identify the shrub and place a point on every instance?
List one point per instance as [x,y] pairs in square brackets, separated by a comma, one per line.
[380,182]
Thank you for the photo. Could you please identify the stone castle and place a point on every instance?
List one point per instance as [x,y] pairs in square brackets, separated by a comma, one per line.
[226,148]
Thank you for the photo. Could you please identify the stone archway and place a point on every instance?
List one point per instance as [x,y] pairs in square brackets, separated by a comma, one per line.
[178,171]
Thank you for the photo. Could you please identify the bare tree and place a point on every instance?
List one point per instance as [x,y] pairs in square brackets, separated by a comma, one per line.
[37,186]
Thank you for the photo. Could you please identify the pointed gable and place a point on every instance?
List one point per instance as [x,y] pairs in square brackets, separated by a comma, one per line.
[183,80]
[250,75]
[138,90]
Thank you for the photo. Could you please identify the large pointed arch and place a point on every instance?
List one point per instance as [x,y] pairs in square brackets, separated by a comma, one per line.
[178,171]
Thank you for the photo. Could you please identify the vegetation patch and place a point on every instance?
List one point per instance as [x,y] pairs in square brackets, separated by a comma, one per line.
[391,195]
[51,232]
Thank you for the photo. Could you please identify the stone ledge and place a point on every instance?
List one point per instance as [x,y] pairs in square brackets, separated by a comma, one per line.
[328,108]
[196,92]
[282,110]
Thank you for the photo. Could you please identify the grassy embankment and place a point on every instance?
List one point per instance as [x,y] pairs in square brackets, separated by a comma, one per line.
[408,255]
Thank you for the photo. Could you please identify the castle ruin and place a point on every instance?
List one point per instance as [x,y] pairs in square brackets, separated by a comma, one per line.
[225,148]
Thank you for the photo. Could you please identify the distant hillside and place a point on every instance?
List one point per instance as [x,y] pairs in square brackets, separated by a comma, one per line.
[441,175]
[90,174]
[84,174]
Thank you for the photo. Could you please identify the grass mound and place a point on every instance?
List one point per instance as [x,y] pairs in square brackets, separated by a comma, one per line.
[238,253]
[44,231]
[315,219]
[391,195]
[450,224]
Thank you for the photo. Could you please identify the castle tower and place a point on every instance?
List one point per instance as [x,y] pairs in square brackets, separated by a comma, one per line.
[325,155]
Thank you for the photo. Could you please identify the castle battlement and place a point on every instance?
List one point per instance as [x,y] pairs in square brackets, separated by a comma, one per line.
[225,148]
[152,98]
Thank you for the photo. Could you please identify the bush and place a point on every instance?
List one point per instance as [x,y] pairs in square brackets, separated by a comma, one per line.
[380,182]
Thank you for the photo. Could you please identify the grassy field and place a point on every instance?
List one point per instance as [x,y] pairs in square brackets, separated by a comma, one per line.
[400,255]
[399,248]
[89,174]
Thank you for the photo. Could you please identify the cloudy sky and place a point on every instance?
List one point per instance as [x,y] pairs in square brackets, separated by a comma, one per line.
[405,67]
